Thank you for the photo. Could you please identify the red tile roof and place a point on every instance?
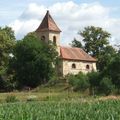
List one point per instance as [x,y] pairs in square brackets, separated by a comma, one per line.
[48,24]
[74,53]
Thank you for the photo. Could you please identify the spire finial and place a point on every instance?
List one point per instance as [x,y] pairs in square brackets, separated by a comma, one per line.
[47,11]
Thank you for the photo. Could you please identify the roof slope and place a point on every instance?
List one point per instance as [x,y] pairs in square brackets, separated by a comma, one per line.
[74,53]
[48,24]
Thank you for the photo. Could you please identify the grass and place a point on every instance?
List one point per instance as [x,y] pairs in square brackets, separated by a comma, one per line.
[41,96]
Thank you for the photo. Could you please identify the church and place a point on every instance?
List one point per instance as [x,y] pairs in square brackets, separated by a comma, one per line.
[72,59]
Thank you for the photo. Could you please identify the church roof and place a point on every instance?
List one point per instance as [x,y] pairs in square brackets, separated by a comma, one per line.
[48,24]
[74,53]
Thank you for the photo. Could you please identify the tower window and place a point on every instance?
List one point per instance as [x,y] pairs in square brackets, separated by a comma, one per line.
[43,38]
[73,66]
[87,67]
[54,40]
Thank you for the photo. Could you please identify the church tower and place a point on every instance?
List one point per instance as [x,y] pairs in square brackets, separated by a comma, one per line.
[48,30]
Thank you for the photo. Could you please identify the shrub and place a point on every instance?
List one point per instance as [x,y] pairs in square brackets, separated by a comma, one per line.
[53,80]
[11,98]
[82,82]
[94,80]
[71,79]
[106,86]
[79,81]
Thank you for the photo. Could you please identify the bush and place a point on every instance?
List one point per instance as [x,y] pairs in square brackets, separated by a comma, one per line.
[79,81]
[11,98]
[94,80]
[71,79]
[53,80]
[106,86]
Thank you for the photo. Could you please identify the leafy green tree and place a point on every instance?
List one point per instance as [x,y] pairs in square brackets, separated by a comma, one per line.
[94,80]
[79,81]
[7,42]
[95,39]
[113,70]
[105,57]
[33,61]
[106,86]
[76,43]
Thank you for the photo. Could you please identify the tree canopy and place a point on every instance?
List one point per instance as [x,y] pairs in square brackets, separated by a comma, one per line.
[33,61]
[76,43]
[7,42]
[95,39]
[96,43]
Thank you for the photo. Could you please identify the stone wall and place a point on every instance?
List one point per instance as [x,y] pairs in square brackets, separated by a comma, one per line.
[49,36]
[74,67]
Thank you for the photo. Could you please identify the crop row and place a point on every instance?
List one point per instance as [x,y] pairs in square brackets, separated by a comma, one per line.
[100,110]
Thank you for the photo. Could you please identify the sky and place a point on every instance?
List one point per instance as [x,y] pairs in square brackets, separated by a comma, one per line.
[70,15]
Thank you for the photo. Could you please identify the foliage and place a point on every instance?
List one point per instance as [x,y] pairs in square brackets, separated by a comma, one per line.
[54,79]
[7,42]
[11,98]
[106,86]
[76,43]
[33,61]
[105,57]
[95,39]
[94,80]
[113,70]
[79,81]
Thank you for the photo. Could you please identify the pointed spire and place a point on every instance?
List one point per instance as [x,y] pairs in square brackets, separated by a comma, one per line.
[48,24]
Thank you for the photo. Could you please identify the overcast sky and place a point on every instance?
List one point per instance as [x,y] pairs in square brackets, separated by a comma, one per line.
[71,16]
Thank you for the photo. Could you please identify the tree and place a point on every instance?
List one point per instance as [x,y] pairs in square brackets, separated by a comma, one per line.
[33,61]
[106,86]
[76,43]
[105,57]
[113,70]
[7,42]
[94,80]
[79,81]
[95,39]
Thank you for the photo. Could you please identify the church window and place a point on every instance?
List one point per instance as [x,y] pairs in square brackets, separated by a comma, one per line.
[43,38]
[87,67]
[54,40]
[73,66]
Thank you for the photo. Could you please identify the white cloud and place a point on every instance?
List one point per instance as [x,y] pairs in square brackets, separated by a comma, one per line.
[70,17]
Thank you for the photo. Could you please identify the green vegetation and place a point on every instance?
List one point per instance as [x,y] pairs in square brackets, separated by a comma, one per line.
[33,63]
[11,98]
[99,110]
[95,40]
[107,79]
[96,83]
[79,81]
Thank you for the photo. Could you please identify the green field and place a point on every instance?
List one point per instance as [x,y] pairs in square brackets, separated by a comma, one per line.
[67,110]
[58,104]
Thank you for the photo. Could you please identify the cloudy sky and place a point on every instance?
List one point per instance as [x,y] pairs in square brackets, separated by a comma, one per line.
[71,16]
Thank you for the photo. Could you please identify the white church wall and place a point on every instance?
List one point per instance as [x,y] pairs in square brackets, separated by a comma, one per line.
[80,66]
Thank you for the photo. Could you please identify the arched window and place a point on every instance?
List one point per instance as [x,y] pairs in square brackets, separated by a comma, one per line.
[54,40]
[87,67]
[73,66]
[43,38]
